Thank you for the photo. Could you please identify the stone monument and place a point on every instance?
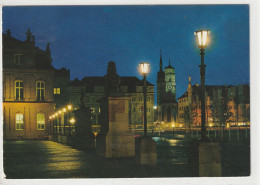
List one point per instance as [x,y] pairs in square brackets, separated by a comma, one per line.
[84,137]
[115,139]
[205,158]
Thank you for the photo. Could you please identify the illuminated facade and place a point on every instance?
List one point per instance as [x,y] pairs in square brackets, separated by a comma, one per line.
[229,105]
[96,88]
[166,94]
[27,88]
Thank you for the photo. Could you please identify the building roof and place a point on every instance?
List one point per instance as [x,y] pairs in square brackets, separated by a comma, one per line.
[91,82]
[30,56]
[169,67]
[209,90]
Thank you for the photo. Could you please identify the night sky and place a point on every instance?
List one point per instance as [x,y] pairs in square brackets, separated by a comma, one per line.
[85,38]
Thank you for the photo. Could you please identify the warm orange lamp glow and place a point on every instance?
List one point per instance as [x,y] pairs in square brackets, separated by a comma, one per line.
[202,37]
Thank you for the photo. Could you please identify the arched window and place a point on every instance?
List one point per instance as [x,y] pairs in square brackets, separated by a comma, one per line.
[40,121]
[40,90]
[19,124]
[18,85]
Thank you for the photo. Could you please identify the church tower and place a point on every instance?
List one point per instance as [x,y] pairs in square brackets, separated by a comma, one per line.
[160,82]
[170,80]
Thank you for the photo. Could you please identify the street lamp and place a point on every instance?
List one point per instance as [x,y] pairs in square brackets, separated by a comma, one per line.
[202,37]
[144,70]
[69,109]
[64,118]
[173,129]
[50,120]
[72,121]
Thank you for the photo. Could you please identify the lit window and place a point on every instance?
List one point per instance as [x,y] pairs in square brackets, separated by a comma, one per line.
[40,121]
[40,90]
[92,109]
[19,90]
[19,121]
[17,59]
[56,91]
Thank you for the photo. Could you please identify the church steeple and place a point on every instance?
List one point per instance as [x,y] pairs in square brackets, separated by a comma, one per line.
[161,65]
[169,61]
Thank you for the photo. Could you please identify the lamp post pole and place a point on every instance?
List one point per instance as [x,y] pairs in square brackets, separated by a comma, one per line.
[202,41]
[145,113]
[144,69]
[202,89]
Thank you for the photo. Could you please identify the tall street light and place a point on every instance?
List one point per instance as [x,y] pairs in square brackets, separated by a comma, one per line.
[202,42]
[69,110]
[144,70]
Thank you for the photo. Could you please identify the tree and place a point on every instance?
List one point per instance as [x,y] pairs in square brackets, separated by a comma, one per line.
[220,110]
[187,116]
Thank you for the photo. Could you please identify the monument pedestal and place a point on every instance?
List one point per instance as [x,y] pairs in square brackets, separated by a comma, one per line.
[205,159]
[118,141]
[146,152]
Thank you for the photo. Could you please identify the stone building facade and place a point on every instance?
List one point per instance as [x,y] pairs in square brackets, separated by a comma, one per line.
[96,88]
[27,88]
[226,105]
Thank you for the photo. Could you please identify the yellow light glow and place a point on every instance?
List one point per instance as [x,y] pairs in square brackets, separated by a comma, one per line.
[56,114]
[59,111]
[69,107]
[72,120]
[210,124]
[53,115]
[144,68]
[155,107]
[202,37]
[50,117]
[173,125]
[64,109]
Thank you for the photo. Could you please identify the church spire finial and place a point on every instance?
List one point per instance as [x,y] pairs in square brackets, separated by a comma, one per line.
[161,60]
[169,61]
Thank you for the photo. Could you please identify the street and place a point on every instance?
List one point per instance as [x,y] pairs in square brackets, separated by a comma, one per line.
[47,159]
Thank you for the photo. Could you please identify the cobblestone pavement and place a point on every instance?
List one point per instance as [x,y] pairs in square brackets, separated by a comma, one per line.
[46,159]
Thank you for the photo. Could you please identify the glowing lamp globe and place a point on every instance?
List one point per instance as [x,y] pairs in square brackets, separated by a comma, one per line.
[202,37]
[144,68]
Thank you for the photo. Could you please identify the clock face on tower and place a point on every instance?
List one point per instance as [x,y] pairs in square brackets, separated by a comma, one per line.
[169,85]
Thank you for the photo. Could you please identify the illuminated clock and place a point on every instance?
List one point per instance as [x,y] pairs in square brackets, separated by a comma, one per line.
[169,85]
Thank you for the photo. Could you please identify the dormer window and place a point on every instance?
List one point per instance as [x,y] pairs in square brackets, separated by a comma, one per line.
[18,59]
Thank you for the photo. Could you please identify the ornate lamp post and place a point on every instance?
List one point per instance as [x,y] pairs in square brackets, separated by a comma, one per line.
[69,110]
[53,121]
[72,121]
[173,129]
[56,115]
[202,42]
[64,118]
[50,121]
[60,129]
[144,69]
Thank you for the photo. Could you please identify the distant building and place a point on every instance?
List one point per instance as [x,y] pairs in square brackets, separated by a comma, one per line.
[27,88]
[97,87]
[166,94]
[229,105]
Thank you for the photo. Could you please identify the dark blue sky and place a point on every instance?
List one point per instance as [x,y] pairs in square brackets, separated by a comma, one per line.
[85,38]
